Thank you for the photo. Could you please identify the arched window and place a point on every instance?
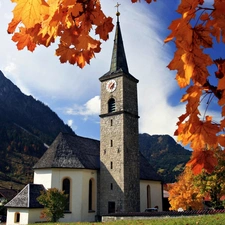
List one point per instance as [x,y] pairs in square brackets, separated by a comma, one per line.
[66,189]
[111,105]
[148,196]
[91,195]
[17,217]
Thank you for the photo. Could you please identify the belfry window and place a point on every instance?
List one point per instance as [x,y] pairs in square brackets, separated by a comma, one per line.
[111,105]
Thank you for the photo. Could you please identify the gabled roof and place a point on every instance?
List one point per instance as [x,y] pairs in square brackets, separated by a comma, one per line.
[27,197]
[71,151]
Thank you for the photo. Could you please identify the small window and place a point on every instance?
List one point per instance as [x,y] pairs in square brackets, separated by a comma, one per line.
[111,186]
[17,217]
[111,105]
[111,143]
[111,165]
[111,122]
[66,189]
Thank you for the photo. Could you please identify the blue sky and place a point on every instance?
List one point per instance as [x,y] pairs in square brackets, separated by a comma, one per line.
[73,93]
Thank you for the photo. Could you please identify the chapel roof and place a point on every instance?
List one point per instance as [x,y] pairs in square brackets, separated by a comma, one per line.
[71,151]
[27,197]
[76,152]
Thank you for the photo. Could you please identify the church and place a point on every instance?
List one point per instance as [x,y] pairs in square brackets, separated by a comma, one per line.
[99,177]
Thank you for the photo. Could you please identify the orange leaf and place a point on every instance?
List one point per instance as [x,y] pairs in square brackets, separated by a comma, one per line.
[104,29]
[204,159]
[12,25]
[24,39]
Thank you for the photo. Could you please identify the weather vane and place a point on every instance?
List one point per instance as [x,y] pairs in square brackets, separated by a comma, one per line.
[117,13]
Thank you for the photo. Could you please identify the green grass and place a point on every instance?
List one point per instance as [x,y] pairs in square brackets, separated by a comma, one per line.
[216,219]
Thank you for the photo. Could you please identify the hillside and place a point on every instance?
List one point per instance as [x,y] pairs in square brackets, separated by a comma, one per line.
[27,126]
[166,156]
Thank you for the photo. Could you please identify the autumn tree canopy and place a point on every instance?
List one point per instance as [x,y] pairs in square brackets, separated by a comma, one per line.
[190,190]
[184,193]
[72,22]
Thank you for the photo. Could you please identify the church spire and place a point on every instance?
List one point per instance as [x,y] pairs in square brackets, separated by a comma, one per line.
[118,61]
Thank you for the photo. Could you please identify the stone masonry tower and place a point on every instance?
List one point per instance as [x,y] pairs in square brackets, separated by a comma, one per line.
[119,153]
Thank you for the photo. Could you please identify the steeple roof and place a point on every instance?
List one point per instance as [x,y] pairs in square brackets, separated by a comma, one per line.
[118,60]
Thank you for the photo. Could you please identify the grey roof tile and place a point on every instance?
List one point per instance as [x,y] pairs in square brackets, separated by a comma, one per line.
[72,151]
[27,197]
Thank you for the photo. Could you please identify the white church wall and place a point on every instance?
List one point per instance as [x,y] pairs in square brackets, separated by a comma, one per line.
[79,192]
[34,216]
[155,194]
[11,216]
[25,216]
[43,176]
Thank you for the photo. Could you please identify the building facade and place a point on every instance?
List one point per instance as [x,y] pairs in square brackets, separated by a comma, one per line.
[99,177]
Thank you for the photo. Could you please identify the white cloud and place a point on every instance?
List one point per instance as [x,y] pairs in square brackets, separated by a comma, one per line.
[70,123]
[90,108]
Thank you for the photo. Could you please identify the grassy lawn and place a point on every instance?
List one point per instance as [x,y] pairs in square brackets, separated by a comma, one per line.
[216,219]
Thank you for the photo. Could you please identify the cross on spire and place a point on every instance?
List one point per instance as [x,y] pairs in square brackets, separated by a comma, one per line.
[117,13]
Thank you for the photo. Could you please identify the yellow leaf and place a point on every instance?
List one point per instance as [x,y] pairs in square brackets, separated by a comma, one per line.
[30,12]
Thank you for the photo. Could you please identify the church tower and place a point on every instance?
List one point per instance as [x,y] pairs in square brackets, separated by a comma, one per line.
[119,153]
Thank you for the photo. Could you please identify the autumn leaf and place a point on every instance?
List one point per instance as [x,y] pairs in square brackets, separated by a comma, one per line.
[200,160]
[104,29]
[30,12]
[24,40]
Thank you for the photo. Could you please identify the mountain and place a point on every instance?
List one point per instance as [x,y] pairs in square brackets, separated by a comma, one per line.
[166,156]
[27,126]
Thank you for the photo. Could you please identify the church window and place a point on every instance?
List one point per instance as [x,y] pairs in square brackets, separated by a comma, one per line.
[17,217]
[66,189]
[111,186]
[111,122]
[91,195]
[111,105]
[111,165]
[111,143]
[148,196]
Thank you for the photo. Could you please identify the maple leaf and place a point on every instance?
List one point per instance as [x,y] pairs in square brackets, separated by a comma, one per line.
[104,29]
[220,73]
[202,36]
[204,159]
[24,40]
[187,6]
[12,25]
[29,12]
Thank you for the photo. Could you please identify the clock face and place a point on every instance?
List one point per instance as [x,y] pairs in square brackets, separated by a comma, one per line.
[111,86]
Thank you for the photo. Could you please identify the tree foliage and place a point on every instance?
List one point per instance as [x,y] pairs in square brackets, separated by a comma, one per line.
[184,194]
[213,185]
[190,189]
[41,22]
[54,202]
